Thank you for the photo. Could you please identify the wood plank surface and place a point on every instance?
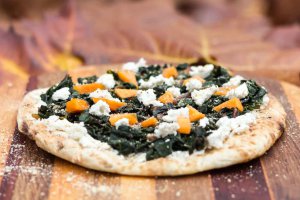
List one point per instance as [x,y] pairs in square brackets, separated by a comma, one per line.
[28,172]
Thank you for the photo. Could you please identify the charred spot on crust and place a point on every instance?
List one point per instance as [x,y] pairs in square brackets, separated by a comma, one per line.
[281,127]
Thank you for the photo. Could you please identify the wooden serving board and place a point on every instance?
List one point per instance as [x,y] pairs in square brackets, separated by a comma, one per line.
[27,172]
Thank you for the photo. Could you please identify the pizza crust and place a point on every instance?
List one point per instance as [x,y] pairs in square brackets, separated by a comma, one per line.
[269,126]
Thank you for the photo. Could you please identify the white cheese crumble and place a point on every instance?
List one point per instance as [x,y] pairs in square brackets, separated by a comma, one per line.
[53,123]
[234,81]
[148,97]
[155,81]
[99,108]
[123,121]
[200,96]
[202,71]
[107,80]
[132,66]
[228,127]
[239,92]
[61,94]
[203,122]
[102,94]
[266,100]
[193,84]
[164,129]
[173,114]
[175,91]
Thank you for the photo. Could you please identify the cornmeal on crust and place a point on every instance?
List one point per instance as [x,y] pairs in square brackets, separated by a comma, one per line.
[204,136]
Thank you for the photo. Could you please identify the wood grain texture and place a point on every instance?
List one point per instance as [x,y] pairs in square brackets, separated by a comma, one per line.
[36,174]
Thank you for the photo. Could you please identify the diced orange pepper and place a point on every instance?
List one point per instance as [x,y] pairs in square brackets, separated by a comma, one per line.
[194,114]
[76,105]
[125,93]
[152,121]
[132,118]
[184,125]
[88,88]
[113,105]
[170,72]
[128,77]
[166,98]
[222,91]
[194,77]
[232,103]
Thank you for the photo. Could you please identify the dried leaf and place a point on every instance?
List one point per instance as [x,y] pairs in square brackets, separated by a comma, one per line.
[13,58]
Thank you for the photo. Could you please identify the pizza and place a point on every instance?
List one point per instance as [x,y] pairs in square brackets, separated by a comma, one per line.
[154,120]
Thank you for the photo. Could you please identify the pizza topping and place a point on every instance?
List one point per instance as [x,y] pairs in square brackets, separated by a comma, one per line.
[88,88]
[173,114]
[101,94]
[155,81]
[61,94]
[132,66]
[100,108]
[266,100]
[203,122]
[125,93]
[194,114]
[164,129]
[122,122]
[114,104]
[76,105]
[222,91]
[175,91]
[232,103]
[152,121]
[167,97]
[107,80]
[200,96]
[184,125]
[132,118]
[202,71]
[148,97]
[239,92]
[193,84]
[178,108]
[170,72]
[234,81]
[227,127]
[128,77]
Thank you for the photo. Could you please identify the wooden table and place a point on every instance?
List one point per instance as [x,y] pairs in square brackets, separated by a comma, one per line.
[27,172]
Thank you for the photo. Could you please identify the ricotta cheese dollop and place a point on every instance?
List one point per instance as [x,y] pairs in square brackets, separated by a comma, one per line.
[100,108]
[193,84]
[107,80]
[175,91]
[155,81]
[203,122]
[61,94]
[173,114]
[132,66]
[228,127]
[200,96]
[123,121]
[148,97]
[239,92]
[234,81]
[202,71]
[164,129]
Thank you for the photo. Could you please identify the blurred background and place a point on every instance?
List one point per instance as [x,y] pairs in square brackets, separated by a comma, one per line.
[260,37]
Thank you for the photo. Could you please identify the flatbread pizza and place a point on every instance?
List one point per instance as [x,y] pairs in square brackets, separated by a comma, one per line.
[154,120]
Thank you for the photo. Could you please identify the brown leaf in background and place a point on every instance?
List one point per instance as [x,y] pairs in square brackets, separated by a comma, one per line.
[115,34]
[13,57]
[97,32]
